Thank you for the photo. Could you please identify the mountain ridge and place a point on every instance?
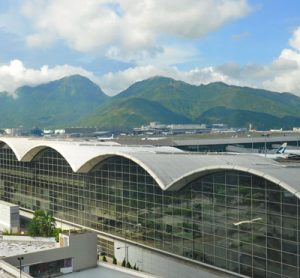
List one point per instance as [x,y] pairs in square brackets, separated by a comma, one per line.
[55,103]
[76,100]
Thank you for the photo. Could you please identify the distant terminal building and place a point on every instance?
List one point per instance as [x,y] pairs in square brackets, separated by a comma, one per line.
[296,129]
[158,128]
[177,214]
[220,144]
[80,130]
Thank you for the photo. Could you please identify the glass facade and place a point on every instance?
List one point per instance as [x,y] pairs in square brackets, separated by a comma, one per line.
[232,220]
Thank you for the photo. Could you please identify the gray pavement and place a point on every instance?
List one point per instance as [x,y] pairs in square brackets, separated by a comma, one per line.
[99,271]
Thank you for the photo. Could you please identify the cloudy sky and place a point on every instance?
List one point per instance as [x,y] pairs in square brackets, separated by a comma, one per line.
[118,42]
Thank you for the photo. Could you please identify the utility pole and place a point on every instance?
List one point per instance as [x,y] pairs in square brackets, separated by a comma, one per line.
[20,263]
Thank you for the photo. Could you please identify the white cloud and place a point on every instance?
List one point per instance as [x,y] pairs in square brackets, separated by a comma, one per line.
[113,83]
[286,73]
[15,74]
[131,27]
[282,75]
[295,40]
[167,55]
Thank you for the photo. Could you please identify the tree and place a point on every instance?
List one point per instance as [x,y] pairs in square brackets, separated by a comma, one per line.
[48,225]
[42,224]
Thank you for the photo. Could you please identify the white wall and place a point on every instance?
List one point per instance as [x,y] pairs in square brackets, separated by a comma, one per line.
[9,217]
[165,265]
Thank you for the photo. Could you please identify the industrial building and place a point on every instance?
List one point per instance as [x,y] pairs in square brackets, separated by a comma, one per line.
[171,212]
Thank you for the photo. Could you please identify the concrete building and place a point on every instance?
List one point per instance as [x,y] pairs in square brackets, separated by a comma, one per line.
[77,251]
[10,219]
[172,213]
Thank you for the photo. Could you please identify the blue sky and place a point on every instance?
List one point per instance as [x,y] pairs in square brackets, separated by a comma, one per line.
[118,42]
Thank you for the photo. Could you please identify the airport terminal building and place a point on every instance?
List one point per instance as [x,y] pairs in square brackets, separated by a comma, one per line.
[235,215]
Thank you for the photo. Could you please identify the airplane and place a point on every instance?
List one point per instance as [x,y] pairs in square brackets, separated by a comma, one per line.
[282,148]
[279,150]
[279,153]
[283,152]
[102,139]
[273,154]
[292,153]
[153,138]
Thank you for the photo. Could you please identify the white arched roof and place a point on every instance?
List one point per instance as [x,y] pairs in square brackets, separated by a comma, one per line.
[171,168]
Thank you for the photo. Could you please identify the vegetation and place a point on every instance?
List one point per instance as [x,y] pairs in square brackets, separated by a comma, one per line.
[156,99]
[8,233]
[133,112]
[239,118]
[124,262]
[51,104]
[114,260]
[57,231]
[170,101]
[42,224]
[104,258]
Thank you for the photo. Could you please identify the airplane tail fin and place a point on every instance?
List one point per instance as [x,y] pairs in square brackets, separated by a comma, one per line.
[282,148]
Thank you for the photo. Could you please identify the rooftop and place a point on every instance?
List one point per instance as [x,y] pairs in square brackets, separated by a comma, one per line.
[12,248]
[171,168]
[240,140]
[7,204]
[105,270]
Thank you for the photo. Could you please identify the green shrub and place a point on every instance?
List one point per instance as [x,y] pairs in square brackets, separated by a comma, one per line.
[128,265]
[124,263]
[42,224]
[57,231]
[114,260]
[104,258]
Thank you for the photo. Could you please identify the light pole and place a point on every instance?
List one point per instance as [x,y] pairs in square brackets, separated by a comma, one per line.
[20,263]
[126,246]
[265,135]
[126,252]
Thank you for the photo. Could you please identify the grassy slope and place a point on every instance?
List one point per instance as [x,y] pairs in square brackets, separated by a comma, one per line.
[191,102]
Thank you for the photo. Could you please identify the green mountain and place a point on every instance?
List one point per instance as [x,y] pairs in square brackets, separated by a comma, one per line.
[132,112]
[192,100]
[75,100]
[239,118]
[59,103]
[195,104]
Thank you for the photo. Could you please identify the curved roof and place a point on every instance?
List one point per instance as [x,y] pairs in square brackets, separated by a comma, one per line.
[171,168]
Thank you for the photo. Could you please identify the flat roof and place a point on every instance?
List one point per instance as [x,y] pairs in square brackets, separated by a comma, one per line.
[13,248]
[104,271]
[241,140]
[7,204]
